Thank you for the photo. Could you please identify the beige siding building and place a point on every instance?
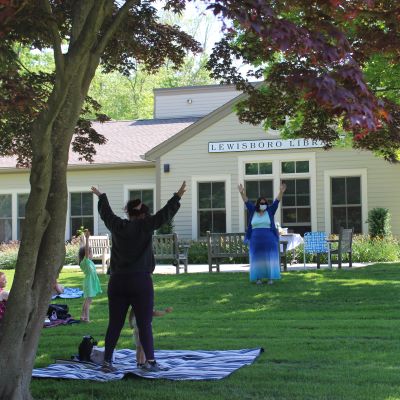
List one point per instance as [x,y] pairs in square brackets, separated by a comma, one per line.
[195,136]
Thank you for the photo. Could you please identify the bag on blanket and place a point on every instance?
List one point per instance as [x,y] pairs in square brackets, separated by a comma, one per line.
[86,347]
[60,310]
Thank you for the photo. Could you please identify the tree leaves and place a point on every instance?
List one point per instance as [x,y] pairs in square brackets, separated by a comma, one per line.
[324,47]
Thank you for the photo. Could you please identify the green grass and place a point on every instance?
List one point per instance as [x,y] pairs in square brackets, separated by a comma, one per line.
[329,334]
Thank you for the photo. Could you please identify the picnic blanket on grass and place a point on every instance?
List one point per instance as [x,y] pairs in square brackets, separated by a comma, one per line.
[182,365]
[69,293]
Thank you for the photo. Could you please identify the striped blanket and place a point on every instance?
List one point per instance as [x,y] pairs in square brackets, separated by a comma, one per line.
[179,365]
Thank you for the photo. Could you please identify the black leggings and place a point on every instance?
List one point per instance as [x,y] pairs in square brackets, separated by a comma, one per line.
[134,290]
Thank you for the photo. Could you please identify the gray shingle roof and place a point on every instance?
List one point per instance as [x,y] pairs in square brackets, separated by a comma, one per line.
[127,140]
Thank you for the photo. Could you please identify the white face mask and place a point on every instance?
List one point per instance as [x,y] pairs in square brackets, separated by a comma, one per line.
[263,207]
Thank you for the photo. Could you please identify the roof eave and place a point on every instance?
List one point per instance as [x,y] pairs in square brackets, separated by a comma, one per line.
[75,167]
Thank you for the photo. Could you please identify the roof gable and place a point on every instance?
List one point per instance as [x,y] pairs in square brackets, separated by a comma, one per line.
[194,129]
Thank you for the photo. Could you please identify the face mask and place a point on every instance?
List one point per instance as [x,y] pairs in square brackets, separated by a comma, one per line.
[263,207]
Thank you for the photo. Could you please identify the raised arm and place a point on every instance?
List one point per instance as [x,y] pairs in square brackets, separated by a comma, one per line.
[282,190]
[111,221]
[87,250]
[242,193]
[167,212]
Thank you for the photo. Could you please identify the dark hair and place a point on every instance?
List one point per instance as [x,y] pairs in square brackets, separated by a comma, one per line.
[258,203]
[132,211]
[81,254]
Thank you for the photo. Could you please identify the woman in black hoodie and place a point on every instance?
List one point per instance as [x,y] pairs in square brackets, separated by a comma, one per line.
[132,263]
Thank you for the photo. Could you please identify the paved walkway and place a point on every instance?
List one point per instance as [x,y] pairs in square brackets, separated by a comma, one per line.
[201,268]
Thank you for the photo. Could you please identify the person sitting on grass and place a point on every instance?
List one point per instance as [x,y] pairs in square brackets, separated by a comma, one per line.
[91,282]
[140,356]
[57,289]
[3,294]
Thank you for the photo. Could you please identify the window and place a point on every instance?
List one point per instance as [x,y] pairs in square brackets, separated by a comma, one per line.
[211,208]
[295,167]
[21,200]
[5,218]
[259,168]
[256,189]
[259,188]
[296,205]
[146,196]
[81,211]
[346,208]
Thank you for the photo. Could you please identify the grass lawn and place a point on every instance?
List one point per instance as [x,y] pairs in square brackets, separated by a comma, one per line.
[330,334]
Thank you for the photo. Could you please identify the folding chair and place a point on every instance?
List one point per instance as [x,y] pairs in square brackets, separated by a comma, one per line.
[315,243]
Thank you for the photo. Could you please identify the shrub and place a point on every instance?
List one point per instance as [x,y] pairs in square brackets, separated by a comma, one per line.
[198,252]
[365,249]
[9,254]
[71,251]
[166,228]
[379,222]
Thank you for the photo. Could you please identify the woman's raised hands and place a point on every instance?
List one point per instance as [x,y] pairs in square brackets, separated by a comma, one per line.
[182,189]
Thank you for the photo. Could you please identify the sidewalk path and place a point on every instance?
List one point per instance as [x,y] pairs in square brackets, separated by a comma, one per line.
[201,268]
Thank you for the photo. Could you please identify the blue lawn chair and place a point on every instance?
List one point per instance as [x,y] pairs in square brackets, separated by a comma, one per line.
[315,243]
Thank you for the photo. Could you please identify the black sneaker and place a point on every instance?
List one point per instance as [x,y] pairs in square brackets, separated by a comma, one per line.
[152,366]
[108,367]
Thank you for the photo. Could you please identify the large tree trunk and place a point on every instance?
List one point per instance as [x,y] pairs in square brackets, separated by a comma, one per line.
[47,257]
[50,252]
[42,249]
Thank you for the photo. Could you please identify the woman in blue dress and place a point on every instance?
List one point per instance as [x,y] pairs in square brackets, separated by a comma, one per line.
[263,237]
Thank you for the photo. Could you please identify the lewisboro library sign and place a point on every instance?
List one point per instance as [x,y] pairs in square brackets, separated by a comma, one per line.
[264,144]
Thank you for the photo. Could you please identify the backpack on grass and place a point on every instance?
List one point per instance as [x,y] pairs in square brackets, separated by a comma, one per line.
[86,347]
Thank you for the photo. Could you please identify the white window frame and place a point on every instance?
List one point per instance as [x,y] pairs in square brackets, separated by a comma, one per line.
[340,173]
[81,189]
[145,186]
[14,208]
[277,176]
[228,203]
[16,213]
[13,194]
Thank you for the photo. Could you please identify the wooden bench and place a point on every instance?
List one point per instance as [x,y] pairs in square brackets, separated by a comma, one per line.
[166,247]
[100,246]
[231,245]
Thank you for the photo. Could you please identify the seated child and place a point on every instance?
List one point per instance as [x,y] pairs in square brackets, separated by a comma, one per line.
[91,282]
[3,294]
[140,356]
[57,289]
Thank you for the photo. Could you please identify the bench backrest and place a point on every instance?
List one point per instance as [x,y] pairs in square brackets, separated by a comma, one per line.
[99,245]
[226,244]
[165,246]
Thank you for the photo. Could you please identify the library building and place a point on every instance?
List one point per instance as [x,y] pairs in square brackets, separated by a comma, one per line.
[195,136]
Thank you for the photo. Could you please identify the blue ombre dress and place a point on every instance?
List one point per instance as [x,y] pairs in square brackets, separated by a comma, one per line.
[264,249]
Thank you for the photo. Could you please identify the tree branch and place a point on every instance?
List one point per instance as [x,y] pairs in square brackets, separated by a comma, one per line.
[122,13]
[58,55]
[80,12]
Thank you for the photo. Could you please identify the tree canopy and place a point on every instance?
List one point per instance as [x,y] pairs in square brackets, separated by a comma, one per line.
[142,43]
[317,60]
